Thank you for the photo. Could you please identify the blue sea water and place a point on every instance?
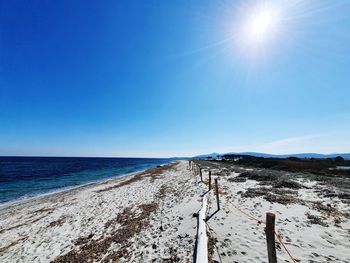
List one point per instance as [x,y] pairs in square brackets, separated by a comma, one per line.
[24,177]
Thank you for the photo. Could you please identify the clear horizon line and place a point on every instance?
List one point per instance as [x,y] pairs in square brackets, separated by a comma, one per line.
[64,156]
[247,152]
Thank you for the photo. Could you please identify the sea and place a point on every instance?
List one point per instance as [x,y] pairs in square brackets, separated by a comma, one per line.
[26,177]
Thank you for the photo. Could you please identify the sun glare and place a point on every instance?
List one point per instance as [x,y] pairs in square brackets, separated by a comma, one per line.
[262,24]
[257,33]
[259,28]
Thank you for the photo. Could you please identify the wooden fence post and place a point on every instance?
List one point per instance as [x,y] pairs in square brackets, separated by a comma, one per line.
[209,180]
[200,173]
[270,237]
[217,193]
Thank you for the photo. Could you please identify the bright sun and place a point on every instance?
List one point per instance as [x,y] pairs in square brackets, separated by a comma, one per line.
[261,25]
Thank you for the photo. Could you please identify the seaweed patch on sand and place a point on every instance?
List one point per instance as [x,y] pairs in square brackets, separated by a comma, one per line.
[130,221]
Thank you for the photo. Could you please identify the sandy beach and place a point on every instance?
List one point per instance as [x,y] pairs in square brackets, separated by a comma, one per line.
[152,217]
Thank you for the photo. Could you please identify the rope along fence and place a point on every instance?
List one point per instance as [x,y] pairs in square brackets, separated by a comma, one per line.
[284,246]
[260,221]
[271,247]
[279,239]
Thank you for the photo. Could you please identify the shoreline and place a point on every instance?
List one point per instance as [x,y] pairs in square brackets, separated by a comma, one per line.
[148,211]
[21,200]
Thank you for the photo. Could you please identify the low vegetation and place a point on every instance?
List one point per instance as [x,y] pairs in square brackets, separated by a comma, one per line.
[292,164]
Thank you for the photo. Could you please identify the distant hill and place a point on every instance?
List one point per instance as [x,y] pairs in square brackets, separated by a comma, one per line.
[211,155]
[267,155]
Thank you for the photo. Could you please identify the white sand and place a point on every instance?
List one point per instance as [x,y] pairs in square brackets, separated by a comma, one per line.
[41,229]
[242,239]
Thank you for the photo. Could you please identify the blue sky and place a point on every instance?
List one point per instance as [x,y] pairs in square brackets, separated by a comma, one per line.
[172,78]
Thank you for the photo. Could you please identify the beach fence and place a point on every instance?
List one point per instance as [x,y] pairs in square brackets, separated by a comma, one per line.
[270,232]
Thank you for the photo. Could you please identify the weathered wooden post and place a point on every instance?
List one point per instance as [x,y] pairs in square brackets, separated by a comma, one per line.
[217,193]
[209,180]
[270,237]
[200,173]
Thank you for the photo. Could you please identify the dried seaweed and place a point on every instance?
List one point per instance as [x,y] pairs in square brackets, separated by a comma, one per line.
[130,222]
